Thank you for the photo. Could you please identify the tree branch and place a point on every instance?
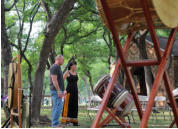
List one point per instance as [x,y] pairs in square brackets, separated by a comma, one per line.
[20,30]
[8,9]
[52,55]
[31,18]
[29,69]
[110,38]
[14,45]
[71,34]
[48,65]
[104,33]
[88,74]
[93,11]
[68,36]
[139,36]
[8,27]
[86,35]
[46,9]
[65,32]
[18,15]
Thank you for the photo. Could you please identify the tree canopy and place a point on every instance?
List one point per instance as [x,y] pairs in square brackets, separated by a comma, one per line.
[72,28]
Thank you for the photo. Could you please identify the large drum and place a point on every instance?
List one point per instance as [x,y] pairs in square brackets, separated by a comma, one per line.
[126,106]
[118,93]
[175,94]
[128,15]
[12,87]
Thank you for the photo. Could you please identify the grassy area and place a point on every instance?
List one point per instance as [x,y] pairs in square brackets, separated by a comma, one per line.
[2,116]
[86,120]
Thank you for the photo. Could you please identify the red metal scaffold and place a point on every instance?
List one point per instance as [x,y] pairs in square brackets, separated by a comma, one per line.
[161,73]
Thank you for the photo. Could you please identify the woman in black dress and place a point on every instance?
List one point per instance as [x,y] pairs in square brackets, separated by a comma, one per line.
[71,107]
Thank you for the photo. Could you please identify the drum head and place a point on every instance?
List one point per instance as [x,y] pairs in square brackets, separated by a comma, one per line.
[120,98]
[167,11]
[128,108]
[175,92]
[11,80]
[100,82]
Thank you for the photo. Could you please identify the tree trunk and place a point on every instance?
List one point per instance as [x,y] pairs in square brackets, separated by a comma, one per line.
[87,88]
[148,73]
[52,28]
[6,55]
[62,48]
[139,77]
[5,48]
[3,103]
[2,87]
[108,40]
[52,55]
[79,97]
[148,79]
[90,80]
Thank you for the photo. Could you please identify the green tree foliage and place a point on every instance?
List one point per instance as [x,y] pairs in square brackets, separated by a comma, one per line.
[81,36]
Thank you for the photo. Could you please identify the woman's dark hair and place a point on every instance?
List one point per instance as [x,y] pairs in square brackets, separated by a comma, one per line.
[72,63]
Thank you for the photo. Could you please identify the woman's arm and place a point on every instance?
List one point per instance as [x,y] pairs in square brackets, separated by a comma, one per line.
[66,74]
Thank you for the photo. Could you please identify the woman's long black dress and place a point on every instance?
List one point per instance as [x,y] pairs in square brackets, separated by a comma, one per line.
[72,88]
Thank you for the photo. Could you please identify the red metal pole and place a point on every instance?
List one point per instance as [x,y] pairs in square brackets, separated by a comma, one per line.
[130,80]
[171,97]
[111,85]
[146,62]
[116,119]
[158,78]
[107,119]
[151,28]
[168,85]
[123,121]
[121,55]
[172,124]
[107,122]
[158,53]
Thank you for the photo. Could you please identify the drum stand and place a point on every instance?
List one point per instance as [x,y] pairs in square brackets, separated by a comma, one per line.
[161,73]
[173,122]
[19,96]
[111,115]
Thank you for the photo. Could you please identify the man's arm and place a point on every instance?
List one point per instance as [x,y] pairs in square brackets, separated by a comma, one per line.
[56,85]
[55,82]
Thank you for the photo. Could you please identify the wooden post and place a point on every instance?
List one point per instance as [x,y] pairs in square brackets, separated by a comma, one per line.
[19,91]
[17,96]
[11,119]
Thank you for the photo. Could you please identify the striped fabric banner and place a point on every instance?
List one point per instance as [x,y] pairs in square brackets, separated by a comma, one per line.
[65,109]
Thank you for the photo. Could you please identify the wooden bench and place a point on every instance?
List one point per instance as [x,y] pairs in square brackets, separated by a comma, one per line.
[93,105]
[143,101]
